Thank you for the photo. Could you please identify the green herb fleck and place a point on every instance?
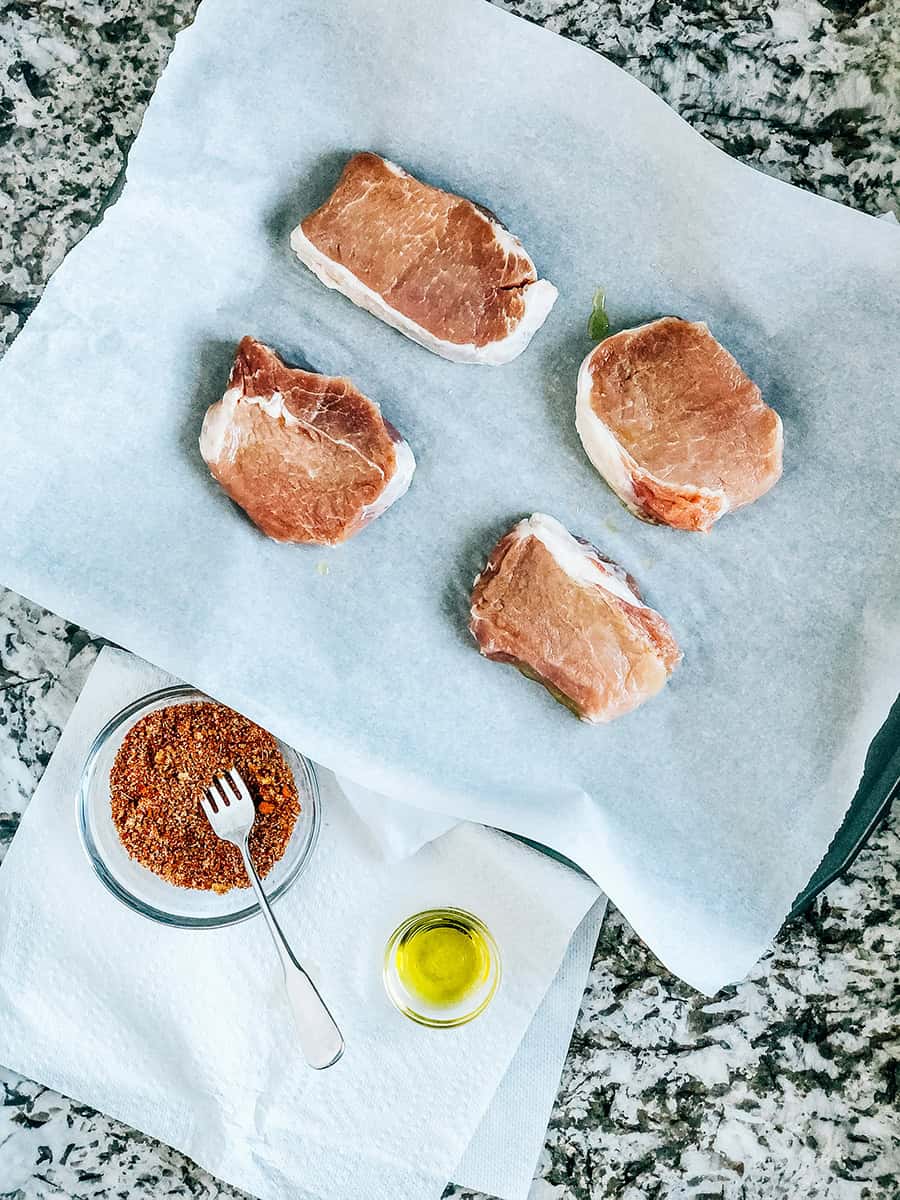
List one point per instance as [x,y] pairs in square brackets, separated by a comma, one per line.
[598,325]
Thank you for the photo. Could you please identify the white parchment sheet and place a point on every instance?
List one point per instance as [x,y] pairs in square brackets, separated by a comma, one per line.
[703,813]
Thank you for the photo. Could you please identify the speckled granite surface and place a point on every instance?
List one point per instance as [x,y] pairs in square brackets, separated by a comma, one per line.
[785,1085]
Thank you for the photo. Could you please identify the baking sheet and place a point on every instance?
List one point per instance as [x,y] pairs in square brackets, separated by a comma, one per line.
[702,813]
[868,810]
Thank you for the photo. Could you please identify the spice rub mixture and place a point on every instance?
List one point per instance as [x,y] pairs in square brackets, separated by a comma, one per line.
[166,761]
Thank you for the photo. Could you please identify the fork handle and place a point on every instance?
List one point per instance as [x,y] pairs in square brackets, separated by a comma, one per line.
[320,1038]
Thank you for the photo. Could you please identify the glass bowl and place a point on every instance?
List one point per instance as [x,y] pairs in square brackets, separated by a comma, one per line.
[138,887]
[444,1014]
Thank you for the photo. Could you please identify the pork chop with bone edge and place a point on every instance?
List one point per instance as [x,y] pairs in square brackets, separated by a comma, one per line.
[674,426]
[554,607]
[435,266]
[308,457]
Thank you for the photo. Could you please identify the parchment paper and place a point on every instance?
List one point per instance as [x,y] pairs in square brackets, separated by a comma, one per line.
[703,813]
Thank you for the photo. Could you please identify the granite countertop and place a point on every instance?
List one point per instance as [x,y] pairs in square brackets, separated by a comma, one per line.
[786,1084]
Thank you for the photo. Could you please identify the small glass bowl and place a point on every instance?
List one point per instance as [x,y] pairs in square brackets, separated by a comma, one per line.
[416,1007]
[139,888]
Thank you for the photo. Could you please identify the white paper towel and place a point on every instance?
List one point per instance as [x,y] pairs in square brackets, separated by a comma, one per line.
[703,813]
[501,1158]
[505,1147]
[186,1035]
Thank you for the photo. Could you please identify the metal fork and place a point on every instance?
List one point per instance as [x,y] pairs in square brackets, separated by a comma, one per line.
[229,808]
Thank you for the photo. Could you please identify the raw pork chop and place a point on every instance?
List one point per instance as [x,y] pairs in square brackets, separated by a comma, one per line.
[309,458]
[674,426]
[439,268]
[554,607]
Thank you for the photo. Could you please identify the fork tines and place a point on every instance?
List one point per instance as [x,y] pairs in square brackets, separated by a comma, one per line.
[228,794]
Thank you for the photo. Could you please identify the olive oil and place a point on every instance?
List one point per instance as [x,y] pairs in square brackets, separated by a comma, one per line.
[443,960]
[442,967]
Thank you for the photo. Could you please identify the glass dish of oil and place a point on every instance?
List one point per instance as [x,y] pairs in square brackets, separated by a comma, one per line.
[441,967]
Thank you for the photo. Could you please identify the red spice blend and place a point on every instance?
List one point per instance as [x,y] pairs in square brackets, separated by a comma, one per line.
[166,761]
